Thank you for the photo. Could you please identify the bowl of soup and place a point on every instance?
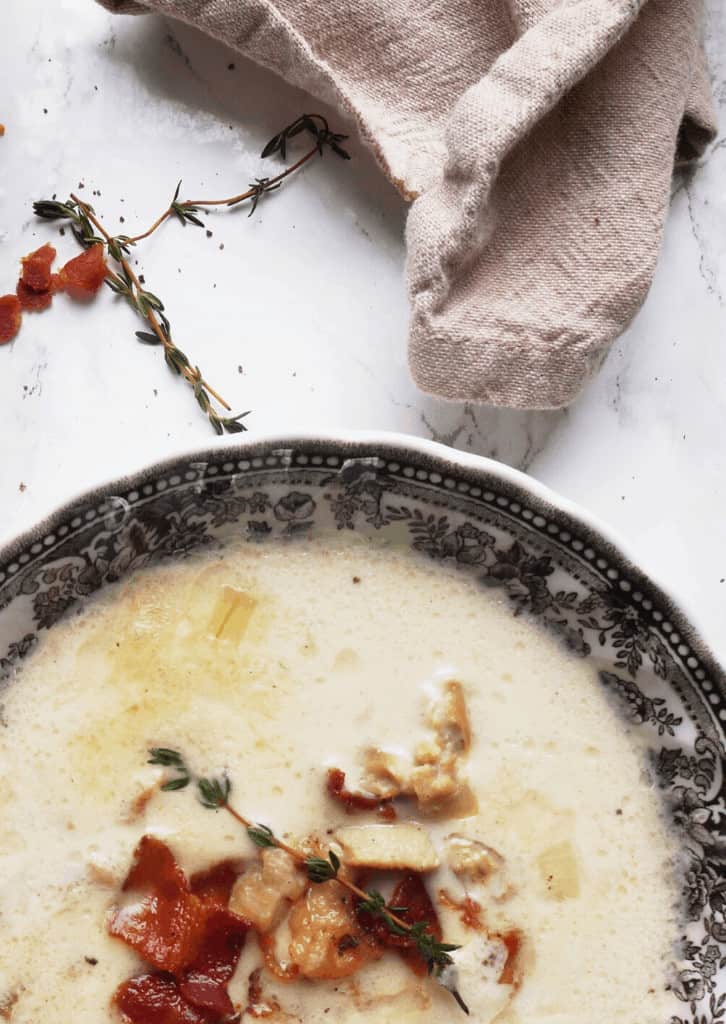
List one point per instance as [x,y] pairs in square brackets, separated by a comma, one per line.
[358,729]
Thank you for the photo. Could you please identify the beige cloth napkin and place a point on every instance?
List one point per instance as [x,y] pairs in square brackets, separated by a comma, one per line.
[537,138]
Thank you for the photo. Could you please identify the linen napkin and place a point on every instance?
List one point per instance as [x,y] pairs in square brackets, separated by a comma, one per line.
[536,139]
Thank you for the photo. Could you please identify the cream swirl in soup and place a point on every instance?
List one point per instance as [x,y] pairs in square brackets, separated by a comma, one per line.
[360,701]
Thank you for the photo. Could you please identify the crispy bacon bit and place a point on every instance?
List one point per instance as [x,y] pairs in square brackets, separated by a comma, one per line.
[9,317]
[36,274]
[82,276]
[409,893]
[511,974]
[204,983]
[216,883]
[155,999]
[184,930]
[335,786]
[31,301]
[165,928]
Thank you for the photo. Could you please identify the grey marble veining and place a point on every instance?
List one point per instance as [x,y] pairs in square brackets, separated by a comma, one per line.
[299,312]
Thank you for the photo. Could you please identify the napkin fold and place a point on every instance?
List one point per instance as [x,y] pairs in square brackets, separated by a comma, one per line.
[536,139]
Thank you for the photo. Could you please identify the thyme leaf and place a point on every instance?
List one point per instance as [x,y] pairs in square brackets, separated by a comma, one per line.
[261,836]
[213,793]
[320,870]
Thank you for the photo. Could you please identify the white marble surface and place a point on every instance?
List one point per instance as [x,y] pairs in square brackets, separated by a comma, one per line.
[299,313]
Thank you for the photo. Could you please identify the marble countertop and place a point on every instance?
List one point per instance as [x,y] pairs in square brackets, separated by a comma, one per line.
[299,312]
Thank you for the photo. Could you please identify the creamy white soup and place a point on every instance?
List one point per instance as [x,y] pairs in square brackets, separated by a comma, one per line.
[494,773]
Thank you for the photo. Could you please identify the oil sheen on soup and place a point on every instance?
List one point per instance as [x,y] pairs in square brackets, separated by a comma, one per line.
[474,787]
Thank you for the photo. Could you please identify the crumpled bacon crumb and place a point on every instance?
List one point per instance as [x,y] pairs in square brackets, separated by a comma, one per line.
[10,311]
[186,932]
[164,928]
[410,893]
[32,301]
[82,276]
[36,273]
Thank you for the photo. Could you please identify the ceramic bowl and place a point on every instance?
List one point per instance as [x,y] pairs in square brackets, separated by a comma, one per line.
[514,536]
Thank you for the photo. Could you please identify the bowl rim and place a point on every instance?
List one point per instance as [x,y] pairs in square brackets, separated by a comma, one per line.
[590,526]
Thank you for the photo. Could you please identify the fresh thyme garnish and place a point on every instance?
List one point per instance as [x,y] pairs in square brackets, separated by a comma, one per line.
[89,231]
[261,836]
[213,793]
[314,124]
[320,870]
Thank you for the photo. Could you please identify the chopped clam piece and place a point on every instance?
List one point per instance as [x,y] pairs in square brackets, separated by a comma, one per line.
[449,718]
[397,847]
[434,784]
[260,894]
[472,861]
[560,872]
[385,773]
[325,938]
[434,779]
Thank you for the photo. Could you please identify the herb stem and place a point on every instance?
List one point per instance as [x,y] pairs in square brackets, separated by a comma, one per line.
[194,204]
[193,375]
[157,223]
[302,858]
[233,200]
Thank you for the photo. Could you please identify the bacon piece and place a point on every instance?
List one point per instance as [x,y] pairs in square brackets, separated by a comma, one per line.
[155,999]
[82,276]
[204,983]
[335,786]
[200,995]
[30,301]
[36,274]
[186,931]
[410,894]
[9,317]
[165,927]
[216,883]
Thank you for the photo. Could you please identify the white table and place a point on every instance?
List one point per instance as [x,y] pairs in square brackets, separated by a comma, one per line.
[299,313]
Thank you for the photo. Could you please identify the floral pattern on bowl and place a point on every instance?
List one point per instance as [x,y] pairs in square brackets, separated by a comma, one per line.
[485,519]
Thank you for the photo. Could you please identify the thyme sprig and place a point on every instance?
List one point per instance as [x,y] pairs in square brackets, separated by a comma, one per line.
[314,124]
[214,793]
[88,231]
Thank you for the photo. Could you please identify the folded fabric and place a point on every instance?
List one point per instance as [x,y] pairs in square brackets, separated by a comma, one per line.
[536,139]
